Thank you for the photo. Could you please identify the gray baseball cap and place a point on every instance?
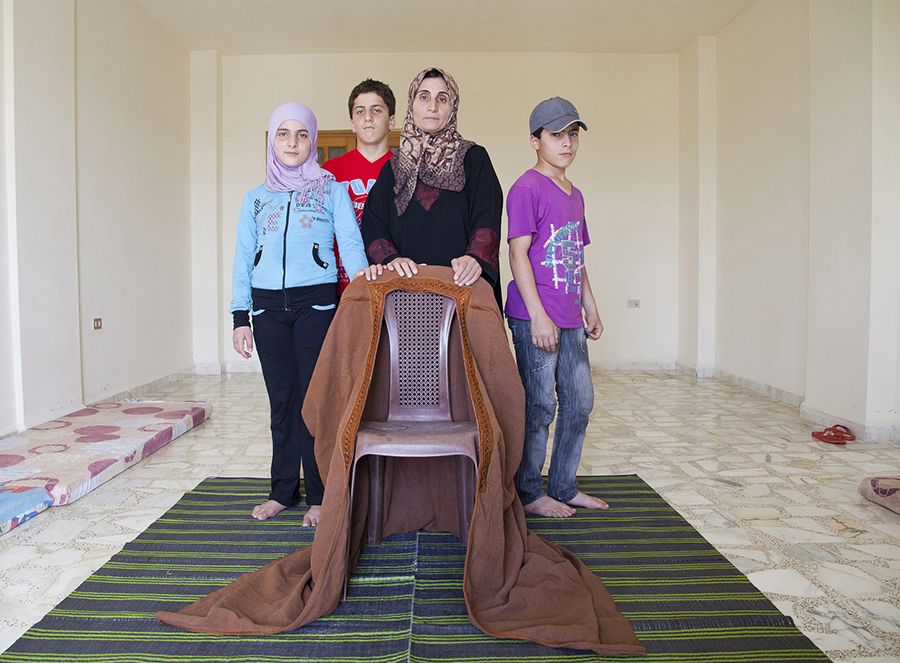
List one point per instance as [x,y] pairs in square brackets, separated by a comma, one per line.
[554,115]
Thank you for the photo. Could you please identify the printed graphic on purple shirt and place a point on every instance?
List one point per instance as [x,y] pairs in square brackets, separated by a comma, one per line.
[564,256]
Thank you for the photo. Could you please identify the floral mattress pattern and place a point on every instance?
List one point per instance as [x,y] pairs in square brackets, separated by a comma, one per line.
[58,461]
[882,490]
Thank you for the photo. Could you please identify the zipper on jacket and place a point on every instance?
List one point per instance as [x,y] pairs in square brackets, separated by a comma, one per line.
[287,221]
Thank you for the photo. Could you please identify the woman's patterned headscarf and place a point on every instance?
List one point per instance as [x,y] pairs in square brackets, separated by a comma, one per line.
[434,159]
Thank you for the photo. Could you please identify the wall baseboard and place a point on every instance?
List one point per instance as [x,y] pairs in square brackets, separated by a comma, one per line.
[825,419]
[633,365]
[9,433]
[140,390]
[242,367]
[698,372]
[870,433]
[863,432]
[882,433]
[208,368]
[759,388]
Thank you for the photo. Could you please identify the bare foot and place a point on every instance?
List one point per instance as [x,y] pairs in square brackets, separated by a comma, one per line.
[268,509]
[311,519]
[549,507]
[588,502]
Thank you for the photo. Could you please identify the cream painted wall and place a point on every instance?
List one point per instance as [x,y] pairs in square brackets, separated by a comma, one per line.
[41,80]
[8,395]
[697,205]
[134,238]
[763,194]
[627,165]
[688,203]
[785,205]
[708,205]
[840,215]
[206,210]
[883,400]
[886,35]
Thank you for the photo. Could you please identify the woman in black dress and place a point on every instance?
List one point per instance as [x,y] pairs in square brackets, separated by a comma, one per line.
[438,200]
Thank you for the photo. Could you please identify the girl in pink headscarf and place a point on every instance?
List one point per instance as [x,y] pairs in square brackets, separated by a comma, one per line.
[285,280]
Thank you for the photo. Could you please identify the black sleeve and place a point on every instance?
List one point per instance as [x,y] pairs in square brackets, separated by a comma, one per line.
[241,319]
[485,212]
[380,248]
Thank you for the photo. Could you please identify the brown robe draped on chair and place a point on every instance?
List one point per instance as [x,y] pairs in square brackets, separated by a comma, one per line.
[516,584]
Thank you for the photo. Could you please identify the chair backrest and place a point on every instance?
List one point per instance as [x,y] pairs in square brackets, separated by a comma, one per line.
[418,326]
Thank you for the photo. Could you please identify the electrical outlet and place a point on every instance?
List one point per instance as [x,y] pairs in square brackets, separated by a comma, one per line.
[98,323]
[634,303]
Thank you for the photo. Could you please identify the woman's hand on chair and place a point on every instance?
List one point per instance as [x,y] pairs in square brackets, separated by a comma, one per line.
[466,270]
[371,272]
[403,266]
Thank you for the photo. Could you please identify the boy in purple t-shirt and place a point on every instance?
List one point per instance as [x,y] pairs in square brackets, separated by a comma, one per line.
[547,236]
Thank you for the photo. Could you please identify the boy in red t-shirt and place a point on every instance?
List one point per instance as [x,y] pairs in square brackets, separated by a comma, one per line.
[372,107]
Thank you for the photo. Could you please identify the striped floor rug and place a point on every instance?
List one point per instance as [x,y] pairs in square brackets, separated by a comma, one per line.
[687,603]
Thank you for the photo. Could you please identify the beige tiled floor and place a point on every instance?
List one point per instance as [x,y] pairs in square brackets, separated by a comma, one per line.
[741,468]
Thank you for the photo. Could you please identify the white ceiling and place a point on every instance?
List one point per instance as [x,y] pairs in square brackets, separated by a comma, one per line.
[248,27]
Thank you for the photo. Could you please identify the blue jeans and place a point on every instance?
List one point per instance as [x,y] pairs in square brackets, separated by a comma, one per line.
[567,372]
